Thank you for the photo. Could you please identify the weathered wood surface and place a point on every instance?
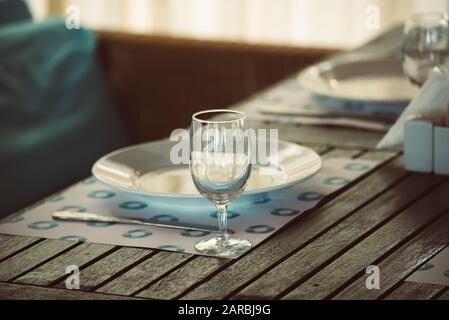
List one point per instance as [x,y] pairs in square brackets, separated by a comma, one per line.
[11,291]
[296,235]
[339,239]
[403,262]
[55,269]
[414,291]
[110,266]
[32,257]
[13,244]
[143,274]
[384,240]
[389,217]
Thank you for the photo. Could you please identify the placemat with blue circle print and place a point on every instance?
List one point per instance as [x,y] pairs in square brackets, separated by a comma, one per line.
[254,220]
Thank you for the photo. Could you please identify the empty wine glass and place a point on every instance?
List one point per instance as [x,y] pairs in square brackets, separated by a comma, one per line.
[426,46]
[220,166]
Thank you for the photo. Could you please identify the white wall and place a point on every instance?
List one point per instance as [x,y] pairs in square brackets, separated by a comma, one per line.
[334,23]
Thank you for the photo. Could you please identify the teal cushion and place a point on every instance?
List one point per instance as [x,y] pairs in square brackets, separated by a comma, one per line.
[13,11]
[56,115]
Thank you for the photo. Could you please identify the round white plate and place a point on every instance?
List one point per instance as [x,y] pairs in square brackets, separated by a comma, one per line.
[146,170]
[362,80]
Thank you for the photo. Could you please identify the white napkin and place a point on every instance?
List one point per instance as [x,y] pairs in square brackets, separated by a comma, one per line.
[431,102]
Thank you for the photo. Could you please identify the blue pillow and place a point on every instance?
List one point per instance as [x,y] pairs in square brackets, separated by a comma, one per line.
[56,116]
[13,11]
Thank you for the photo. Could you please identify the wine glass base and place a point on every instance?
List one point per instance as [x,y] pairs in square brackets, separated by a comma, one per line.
[220,247]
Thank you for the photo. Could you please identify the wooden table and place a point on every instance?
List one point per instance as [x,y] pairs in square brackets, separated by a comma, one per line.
[390,218]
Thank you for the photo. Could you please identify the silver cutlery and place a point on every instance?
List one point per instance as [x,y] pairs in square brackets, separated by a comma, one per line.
[92,217]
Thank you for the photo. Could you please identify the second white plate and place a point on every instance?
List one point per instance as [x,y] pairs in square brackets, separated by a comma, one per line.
[363,80]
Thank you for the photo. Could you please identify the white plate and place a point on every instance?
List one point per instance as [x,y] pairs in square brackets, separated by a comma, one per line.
[146,170]
[362,80]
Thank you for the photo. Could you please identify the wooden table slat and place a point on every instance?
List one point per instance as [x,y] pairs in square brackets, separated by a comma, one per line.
[297,234]
[173,285]
[55,269]
[141,275]
[390,236]
[108,267]
[346,234]
[10,245]
[445,295]
[32,257]
[13,291]
[403,262]
[414,291]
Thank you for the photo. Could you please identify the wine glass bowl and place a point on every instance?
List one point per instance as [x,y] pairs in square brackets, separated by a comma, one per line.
[426,46]
[220,163]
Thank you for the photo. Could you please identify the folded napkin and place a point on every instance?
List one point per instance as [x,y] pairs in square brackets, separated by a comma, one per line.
[432,102]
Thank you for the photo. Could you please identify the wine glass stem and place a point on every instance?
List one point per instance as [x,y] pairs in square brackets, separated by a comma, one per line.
[222,214]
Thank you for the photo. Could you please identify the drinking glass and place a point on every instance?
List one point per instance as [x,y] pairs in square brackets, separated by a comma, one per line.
[220,165]
[426,46]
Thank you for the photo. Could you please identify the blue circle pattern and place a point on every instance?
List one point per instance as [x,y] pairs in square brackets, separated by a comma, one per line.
[42,225]
[74,238]
[100,224]
[310,196]
[165,218]
[101,194]
[356,166]
[137,234]
[194,233]
[133,205]
[260,229]
[336,181]
[73,208]
[231,215]
[172,248]
[285,212]
[261,200]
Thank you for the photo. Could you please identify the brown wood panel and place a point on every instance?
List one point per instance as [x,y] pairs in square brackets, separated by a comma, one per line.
[13,291]
[108,267]
[145,71]
[54,270]
[173,285]
[297,234]
[141,275]
[32,257]
[414,291]
[338,239]
[387,238]
[12,244]
[403,262]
